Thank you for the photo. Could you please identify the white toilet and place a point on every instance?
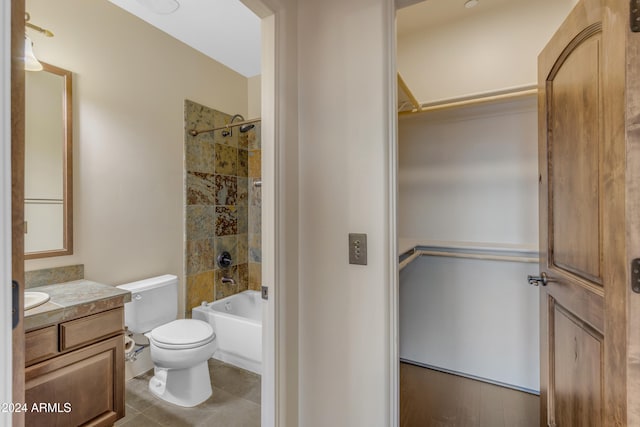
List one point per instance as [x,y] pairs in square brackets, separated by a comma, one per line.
[179,348]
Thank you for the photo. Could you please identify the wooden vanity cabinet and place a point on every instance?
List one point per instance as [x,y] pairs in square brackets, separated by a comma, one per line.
[74,372]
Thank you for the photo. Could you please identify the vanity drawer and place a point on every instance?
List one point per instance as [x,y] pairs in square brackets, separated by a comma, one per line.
[90,329]
[40,344]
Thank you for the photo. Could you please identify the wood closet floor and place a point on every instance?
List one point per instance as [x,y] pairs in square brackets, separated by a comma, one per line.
[431,398]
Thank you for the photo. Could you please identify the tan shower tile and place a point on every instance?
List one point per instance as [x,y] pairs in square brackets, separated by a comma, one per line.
[256,143]
[255,163]
[255,276]
[200,156]
[225,190]
[243,277]
[243,219]
[243,162]
[198,149]
[221,119]
[201,188]
[255,220]
[243,140]
[252,138]
[200,222]
[226,220]
[255,248]
[198,116]
[199,288]
[243,194]
[243,248]
[200,256]
[226,160]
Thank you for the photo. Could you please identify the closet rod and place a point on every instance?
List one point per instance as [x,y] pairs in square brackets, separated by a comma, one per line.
[408,260]
[403,86]
[488,257]
[479,254]
[519,92]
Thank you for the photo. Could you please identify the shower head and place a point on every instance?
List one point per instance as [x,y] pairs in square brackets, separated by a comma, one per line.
[245,127]
[237,116]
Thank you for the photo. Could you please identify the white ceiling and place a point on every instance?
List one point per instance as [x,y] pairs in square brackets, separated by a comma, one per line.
[431,13]
[228,32]
[225,30]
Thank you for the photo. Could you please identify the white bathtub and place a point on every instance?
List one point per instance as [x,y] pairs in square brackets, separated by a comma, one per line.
[237,323]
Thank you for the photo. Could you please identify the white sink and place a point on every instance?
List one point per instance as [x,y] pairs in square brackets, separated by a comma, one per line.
[34,299]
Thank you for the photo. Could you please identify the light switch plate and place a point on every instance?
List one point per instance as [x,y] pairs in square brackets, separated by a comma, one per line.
[358,248]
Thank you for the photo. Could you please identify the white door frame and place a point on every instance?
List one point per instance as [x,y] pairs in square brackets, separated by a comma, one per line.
[5,210]
[270,384]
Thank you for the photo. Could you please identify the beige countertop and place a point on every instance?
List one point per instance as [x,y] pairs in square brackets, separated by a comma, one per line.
[71,300]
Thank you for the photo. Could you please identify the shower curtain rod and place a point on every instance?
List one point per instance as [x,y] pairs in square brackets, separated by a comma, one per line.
[194,132]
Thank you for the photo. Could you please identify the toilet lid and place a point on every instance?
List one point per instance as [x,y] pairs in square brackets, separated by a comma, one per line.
[183,333]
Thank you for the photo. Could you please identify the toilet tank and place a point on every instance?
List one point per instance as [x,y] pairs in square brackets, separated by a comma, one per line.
[154,302]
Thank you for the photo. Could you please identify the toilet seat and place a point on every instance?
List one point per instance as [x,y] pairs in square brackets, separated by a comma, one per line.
[182,334]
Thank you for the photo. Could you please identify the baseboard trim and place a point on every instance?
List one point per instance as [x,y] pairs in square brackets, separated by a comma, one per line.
[472,377]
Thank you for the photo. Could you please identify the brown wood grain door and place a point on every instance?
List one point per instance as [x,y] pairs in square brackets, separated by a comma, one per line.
[17,194]
[583,225]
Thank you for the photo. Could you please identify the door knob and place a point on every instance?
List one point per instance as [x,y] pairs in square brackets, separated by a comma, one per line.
[538,280]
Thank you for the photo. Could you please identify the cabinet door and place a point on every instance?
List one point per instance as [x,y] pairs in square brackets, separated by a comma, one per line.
[84,387]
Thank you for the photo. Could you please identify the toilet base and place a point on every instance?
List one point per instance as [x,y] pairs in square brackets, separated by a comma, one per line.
[183,387]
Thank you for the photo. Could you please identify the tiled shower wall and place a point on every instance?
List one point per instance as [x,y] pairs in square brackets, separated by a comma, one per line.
[223,206]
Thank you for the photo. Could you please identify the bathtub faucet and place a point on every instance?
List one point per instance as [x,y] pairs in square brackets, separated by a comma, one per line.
[228,280]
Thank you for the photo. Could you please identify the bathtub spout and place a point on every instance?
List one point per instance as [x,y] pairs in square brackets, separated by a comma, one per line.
[228,280]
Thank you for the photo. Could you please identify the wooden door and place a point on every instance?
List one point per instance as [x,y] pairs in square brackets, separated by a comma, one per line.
[584,132]
[17,194]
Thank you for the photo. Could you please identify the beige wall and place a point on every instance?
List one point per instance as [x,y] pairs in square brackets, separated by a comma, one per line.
[346,170]
[254,89]
[491,49]
[130,83]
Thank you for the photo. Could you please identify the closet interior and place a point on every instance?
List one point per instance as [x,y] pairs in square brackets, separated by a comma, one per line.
[468,208]
[468,186]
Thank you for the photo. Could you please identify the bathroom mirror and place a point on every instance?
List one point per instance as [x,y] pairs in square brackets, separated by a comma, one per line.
[48,163]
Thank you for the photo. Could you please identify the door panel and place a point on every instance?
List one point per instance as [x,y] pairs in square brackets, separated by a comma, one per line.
[574,174]
[577,352]
[582,218]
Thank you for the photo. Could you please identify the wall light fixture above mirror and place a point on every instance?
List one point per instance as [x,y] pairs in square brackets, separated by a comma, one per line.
[31,63]
[48,163]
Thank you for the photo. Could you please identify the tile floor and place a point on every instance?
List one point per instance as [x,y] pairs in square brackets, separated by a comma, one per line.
[235,402]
